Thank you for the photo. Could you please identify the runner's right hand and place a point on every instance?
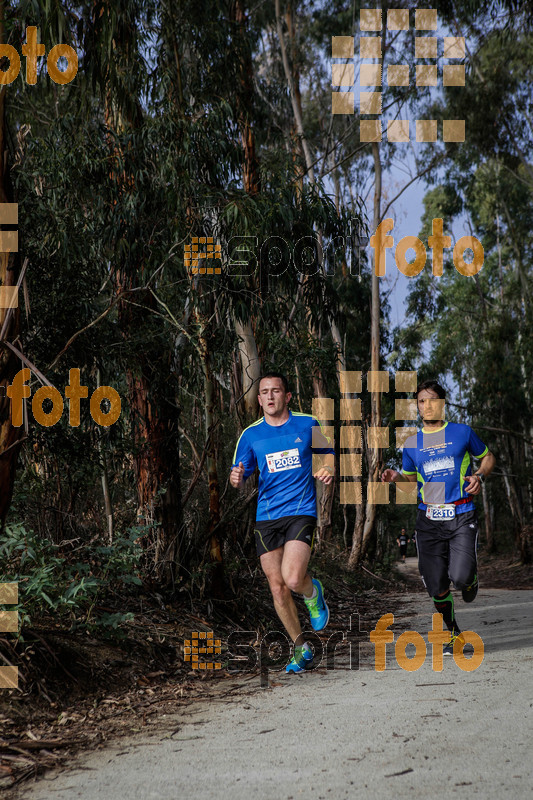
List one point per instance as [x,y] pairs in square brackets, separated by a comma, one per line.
[236,475]
[389,475]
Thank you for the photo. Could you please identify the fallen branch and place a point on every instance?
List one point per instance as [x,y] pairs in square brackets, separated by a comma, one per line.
[379,578]
[40,744]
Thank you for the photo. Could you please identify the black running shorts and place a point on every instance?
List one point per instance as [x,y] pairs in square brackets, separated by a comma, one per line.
[403,549]
[273,533]
[447,551]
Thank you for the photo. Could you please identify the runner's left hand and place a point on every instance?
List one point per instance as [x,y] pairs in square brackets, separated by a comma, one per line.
[473,486]
[324,475]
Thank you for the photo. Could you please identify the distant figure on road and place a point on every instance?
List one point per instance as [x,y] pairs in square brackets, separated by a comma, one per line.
[281,444]
[402,541]
[438,458]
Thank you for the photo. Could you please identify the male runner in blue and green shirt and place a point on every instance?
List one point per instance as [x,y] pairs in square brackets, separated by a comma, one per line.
[438,457]
[281,445]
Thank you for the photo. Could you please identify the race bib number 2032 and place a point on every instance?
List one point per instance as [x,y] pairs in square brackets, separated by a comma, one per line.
[285,459]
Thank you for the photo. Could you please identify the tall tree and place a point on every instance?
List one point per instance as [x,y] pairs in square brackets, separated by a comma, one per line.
[10,436]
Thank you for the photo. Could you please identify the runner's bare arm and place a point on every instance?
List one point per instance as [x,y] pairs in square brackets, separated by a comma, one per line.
[486,465]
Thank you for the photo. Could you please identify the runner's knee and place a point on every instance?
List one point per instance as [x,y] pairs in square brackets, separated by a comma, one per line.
[280,591]
[462,578]
[437,588]
[294,581]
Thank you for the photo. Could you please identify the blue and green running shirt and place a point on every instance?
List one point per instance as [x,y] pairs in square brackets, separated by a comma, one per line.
[440,460]
[284,456]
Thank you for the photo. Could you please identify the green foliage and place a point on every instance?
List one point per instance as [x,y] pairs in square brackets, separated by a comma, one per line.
[116,172]
[70,584]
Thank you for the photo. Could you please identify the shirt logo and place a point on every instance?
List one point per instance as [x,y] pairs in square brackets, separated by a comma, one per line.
[283,460]
[297,440]
[438,464]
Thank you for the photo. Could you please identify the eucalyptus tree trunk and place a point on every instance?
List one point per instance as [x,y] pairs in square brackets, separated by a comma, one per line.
[250,365]
[294,91]
[244,96]
[108,507]
[247,346]
[489,532]
[293,82]
[364,530]
[215,549]
[9,365]
[154,420]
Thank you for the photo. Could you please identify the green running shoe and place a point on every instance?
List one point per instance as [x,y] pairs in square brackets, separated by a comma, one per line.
[318,610]
[302,660]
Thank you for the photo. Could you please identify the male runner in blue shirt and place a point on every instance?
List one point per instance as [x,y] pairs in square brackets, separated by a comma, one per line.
[438,458]
[281,444]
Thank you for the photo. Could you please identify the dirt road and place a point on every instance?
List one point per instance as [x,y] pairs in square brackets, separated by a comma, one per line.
[344,732]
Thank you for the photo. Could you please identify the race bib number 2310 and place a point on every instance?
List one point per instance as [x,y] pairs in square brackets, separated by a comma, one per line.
[285,459]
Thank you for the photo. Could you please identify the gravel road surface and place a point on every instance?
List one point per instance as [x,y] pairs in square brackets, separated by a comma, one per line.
[343,732]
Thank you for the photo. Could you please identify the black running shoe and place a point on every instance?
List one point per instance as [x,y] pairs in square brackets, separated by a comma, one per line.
[448,647]
[470,592]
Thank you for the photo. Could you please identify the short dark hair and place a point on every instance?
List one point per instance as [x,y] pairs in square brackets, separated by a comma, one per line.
[433,386]
[279,375]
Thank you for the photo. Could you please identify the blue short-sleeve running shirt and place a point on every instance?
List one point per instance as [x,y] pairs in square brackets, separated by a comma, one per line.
[441,461]
[284,456]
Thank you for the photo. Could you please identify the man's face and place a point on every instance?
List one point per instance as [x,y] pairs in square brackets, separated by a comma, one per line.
[272,397]
[430,406]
